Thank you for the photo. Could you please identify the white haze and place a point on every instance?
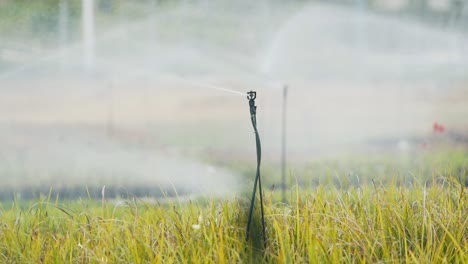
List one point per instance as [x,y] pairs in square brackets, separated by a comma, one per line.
[143,109]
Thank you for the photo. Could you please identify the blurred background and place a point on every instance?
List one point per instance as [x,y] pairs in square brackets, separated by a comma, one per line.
[147,97]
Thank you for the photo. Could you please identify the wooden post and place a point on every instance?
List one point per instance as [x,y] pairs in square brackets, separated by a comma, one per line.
[283,145]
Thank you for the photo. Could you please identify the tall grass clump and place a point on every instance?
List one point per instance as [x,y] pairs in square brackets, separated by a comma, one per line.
[418,224]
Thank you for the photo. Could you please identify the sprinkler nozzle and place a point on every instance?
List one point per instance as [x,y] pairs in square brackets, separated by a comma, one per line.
[251,95]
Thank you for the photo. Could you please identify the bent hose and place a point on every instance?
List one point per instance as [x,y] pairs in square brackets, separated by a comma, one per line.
[253,110]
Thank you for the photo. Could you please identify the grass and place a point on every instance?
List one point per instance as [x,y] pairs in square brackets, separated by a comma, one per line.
[371,223]
[379,209]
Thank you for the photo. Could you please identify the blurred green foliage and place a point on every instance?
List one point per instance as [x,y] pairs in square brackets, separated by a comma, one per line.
[35,19]
[41,18]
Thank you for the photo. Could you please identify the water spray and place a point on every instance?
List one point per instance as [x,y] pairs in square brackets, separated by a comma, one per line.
[214,87]
[251,96]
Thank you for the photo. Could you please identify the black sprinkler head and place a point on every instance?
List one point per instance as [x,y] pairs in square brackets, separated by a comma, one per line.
[251,95]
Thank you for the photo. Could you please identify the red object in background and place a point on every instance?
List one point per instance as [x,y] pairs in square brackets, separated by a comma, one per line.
[438,128]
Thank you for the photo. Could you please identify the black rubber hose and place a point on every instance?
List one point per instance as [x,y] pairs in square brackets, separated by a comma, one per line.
[253,110]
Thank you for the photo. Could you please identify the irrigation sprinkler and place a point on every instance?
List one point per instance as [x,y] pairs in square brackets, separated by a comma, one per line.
[251,96]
